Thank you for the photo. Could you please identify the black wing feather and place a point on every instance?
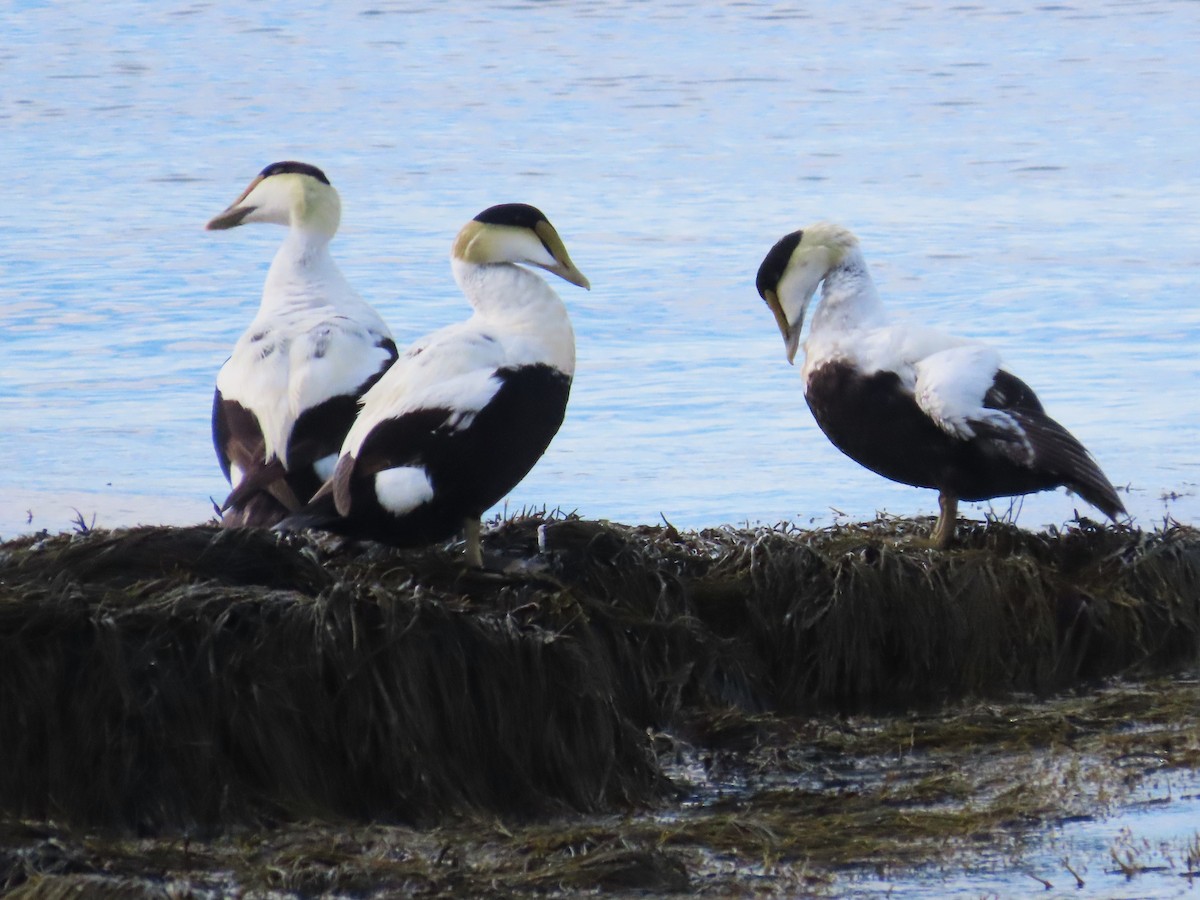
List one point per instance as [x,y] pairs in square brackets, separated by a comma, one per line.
[1053,449]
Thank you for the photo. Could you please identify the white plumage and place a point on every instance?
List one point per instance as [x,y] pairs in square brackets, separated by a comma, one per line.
[285,398]
[950,386]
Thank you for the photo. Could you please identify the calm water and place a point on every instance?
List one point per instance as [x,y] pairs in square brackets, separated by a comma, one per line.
[1022,174]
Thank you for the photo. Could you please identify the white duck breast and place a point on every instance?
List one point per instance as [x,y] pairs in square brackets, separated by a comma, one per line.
[466,412]
[911,403]
[288,394]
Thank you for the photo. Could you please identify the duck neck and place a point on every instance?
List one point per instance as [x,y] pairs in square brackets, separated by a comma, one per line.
[849,300]
[303,274]
[522,306]
[506,292]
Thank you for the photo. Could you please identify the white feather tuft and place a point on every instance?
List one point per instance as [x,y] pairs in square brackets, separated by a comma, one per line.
[403,489]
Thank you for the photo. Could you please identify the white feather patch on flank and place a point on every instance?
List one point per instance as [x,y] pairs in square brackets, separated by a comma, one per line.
[403,489]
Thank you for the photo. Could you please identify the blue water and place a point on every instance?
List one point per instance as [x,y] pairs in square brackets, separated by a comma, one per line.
[1021,174]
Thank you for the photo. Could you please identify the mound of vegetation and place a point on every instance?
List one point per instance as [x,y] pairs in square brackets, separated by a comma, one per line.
[167,679]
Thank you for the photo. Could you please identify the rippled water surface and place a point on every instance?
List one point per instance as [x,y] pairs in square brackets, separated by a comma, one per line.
[1024,174]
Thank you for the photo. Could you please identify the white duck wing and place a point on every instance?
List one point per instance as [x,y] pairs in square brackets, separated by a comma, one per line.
[452,369]
[337,357]
[951,386]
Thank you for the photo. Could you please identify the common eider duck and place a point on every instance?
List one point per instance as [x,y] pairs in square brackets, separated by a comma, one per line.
[911,403]
[466,411]
[288,394]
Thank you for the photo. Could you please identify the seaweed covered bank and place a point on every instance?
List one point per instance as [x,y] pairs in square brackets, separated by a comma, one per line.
[181,685]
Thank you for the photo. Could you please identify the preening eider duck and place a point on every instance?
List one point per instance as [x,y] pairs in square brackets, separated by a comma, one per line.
[288,395]
[468,410]
[911,403]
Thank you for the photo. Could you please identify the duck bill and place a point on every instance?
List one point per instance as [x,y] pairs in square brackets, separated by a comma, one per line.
[562,265]
[567,271]
[790,330]
[236,212]
[230,218]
